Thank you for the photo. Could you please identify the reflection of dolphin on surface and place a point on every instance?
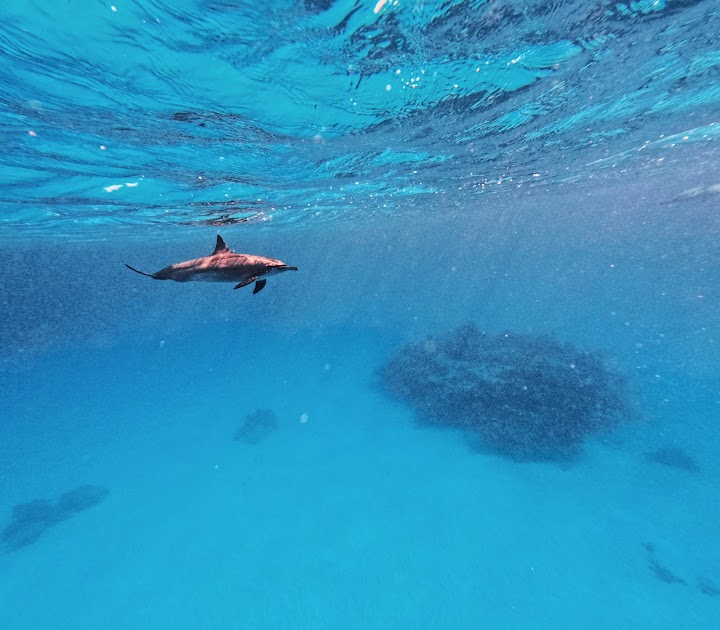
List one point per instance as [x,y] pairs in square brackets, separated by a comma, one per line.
[223,265]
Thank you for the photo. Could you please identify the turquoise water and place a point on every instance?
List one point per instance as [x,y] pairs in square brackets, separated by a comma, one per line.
[537,169]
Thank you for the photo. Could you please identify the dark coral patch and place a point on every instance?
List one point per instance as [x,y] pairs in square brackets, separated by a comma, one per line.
[708,587]
[521,396]
[664,574]
[673,457]
[257,426]
[31,520]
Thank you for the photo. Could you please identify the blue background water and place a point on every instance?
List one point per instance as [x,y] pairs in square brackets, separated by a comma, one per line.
[533,167]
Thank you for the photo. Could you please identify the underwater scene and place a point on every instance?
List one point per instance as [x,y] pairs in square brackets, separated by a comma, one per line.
[359,314]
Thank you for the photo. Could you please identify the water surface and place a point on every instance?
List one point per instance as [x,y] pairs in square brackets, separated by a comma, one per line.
[534,168]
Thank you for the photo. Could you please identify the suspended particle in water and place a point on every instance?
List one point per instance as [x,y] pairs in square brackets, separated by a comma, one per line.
[304,418]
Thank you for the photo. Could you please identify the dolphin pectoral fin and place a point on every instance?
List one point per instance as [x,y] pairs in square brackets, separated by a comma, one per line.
[259,286]
[244,283]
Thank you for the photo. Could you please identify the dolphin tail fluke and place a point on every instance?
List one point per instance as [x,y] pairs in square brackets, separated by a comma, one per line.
[142,273]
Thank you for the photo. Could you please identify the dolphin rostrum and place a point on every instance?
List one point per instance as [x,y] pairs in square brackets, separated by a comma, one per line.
[223,265]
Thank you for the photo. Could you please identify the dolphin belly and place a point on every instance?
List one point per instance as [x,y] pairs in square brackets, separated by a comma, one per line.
[210,275]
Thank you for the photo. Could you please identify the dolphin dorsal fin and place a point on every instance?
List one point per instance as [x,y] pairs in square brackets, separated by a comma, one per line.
[220,247]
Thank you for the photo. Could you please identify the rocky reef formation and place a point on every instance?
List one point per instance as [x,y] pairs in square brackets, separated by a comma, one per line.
[524,397]
[258,425]
[31,520]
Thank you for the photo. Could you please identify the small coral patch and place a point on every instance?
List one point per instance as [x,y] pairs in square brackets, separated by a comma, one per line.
[31,520]
[673,457]
[258,425]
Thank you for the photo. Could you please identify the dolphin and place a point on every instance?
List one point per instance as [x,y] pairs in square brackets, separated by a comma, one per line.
[223,265]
